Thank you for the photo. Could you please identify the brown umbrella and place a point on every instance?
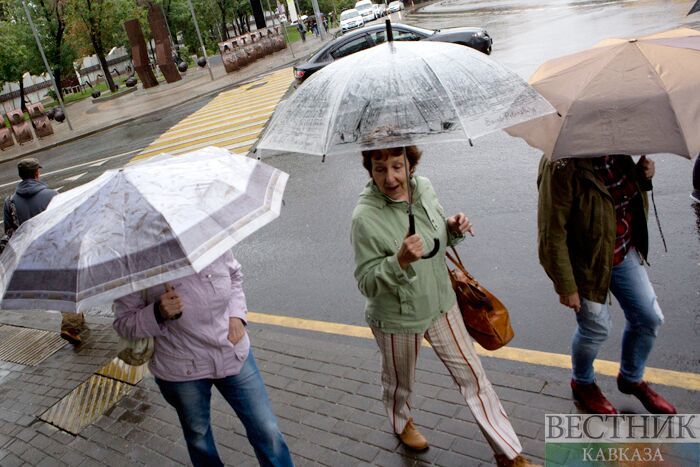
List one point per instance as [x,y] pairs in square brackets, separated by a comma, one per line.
[695,8]
[623,96]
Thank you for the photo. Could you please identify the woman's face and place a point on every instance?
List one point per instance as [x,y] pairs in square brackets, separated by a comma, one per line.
[389,174]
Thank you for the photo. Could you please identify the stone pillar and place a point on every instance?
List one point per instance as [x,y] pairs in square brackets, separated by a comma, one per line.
[139,53]
[164,50]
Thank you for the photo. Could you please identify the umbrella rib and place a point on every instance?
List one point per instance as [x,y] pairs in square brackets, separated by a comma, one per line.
[334,113]
[449,96]
[581,91]
[662,85]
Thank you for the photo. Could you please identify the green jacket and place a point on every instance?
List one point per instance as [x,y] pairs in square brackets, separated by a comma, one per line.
[576,226]
[401,301]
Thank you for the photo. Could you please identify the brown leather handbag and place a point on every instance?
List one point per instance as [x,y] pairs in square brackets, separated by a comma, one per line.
[485,317]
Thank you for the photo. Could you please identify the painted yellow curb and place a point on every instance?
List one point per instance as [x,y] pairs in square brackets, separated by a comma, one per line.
[679,379]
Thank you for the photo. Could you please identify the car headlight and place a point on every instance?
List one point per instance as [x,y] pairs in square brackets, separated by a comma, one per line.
[480,34]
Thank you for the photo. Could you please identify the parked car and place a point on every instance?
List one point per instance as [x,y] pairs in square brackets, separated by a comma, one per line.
[366,8]
[369,36]
[395,6]
[351,19]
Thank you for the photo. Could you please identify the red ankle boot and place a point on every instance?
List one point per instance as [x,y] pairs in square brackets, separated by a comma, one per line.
[591,398]
[649,398]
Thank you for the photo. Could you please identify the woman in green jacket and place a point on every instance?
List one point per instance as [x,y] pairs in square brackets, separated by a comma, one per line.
[409,298]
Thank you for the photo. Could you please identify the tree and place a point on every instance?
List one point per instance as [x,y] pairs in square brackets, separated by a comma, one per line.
[223,6]
[98,24]
[180,20]
[13,55]
[47,16]
[50,20]
[242,11]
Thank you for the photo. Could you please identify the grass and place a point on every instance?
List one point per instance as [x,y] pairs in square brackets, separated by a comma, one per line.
[87,92]
[293,34]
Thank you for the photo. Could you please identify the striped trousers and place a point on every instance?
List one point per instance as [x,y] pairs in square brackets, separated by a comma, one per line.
[453,345]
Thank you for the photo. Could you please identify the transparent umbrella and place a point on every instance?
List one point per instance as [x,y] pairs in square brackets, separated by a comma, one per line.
[422,92]
[410,93]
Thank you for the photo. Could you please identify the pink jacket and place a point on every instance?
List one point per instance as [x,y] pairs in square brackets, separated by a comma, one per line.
[196,346]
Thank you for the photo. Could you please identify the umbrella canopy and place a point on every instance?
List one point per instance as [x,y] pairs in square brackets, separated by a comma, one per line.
[136,227]
[623,96]
[695,8]
[419,92]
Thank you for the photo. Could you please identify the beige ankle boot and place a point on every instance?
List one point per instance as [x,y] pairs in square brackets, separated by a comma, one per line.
[411,437]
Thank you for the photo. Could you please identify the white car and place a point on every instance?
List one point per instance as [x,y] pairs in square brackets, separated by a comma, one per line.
[351,19]
[366,8]
[395,6]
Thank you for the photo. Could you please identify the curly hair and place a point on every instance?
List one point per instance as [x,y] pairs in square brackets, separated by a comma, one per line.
[413,154]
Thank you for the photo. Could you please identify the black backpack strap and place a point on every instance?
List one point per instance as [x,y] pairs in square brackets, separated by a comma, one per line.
[10,229]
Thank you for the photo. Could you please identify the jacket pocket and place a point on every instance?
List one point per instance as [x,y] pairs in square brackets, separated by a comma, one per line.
[241,349]
[175,367]
[411,303]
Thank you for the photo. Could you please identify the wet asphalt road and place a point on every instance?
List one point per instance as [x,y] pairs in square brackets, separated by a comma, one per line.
[301,265]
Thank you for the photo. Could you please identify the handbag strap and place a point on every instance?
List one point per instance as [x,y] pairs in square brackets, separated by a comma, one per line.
[457,261]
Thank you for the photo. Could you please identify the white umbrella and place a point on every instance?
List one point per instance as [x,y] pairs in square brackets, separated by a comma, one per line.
[423,92]
[136,227]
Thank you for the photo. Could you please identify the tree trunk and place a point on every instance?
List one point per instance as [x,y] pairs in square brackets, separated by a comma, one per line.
[247,21]
[22,105]
[57,79]
[224,29]
[58,37]
[103,63]
[222,10]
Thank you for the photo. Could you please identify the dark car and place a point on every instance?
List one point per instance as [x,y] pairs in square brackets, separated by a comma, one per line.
[476,38]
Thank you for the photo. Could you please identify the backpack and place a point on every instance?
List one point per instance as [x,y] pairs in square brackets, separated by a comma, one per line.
[10,229]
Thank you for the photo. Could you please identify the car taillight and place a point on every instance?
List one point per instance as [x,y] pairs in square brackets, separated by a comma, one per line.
[298,74]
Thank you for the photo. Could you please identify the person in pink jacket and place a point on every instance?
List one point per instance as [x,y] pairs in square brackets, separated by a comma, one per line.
[198,325]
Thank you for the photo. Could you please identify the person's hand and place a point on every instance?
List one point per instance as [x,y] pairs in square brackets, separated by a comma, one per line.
[646,167]
[411,250]
[236,330]
[572,301]
[170,304]
[459,224]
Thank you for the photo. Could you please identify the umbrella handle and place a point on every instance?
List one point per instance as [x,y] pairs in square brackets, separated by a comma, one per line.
[412,231]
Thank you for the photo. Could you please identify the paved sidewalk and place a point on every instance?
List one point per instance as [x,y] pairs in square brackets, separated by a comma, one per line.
[325,391]
[88,118]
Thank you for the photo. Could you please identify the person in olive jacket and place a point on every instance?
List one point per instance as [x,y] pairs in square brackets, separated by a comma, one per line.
[593,240]
[409,298]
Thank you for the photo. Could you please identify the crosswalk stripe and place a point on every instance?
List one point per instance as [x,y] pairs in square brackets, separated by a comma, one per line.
[74,177]
[197,143]
[232,120]
[218,127]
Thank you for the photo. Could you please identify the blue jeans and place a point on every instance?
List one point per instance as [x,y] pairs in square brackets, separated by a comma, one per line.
[631,287]
[245,393]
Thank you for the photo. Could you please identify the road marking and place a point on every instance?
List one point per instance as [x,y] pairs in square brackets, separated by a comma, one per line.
[232,120]
[101,161]
[74,178]
[678,379]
